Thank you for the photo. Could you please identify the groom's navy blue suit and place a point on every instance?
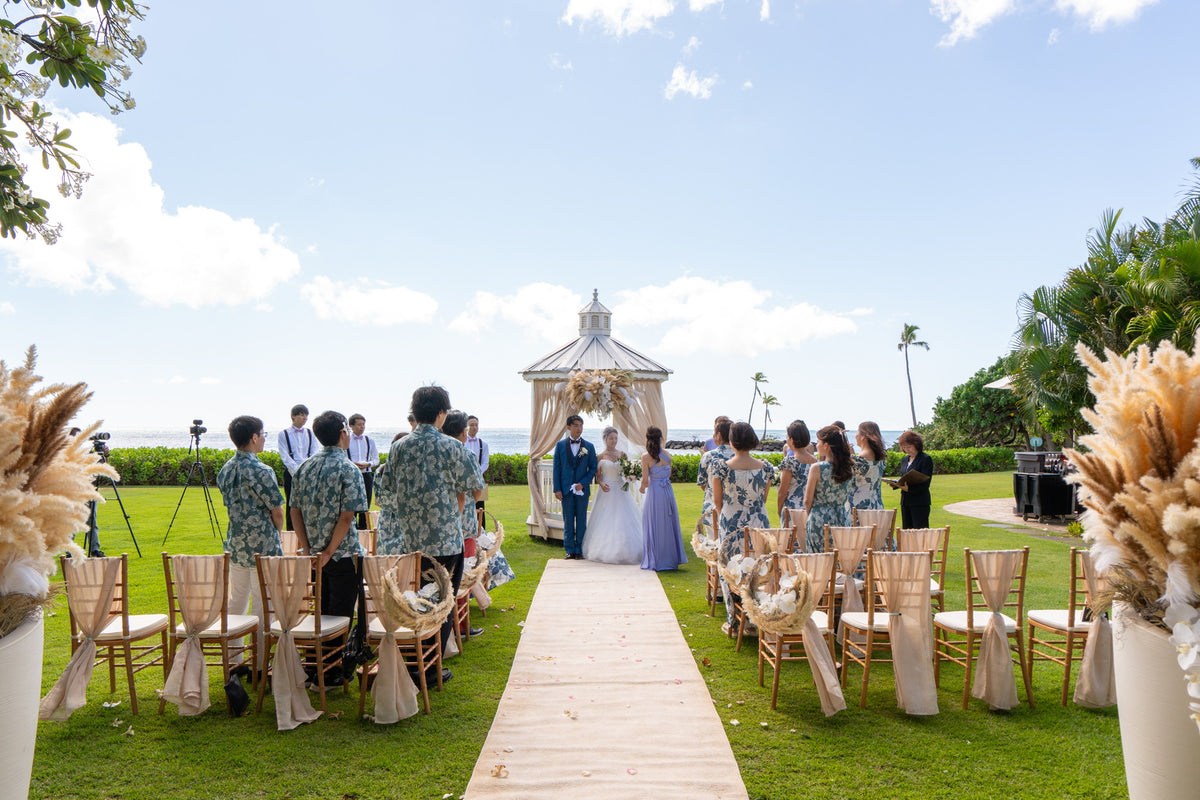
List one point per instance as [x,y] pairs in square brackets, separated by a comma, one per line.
[569,470]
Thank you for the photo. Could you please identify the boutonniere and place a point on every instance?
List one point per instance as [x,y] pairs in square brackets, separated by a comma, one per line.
[583,451]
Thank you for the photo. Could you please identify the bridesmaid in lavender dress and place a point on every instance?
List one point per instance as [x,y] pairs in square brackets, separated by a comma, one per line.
[662,541]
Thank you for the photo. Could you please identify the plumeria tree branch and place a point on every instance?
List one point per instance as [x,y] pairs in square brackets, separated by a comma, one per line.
[90,53]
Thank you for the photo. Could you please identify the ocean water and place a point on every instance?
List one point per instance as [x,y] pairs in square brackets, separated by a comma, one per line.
[500,440]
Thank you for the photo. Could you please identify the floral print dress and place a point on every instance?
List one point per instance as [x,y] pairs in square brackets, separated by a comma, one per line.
[829,507]
[799,470]
[868,481]
[743,495]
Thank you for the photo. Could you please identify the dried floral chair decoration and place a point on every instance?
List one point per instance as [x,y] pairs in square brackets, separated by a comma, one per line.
[1140,482]
[390,683]
[46,482]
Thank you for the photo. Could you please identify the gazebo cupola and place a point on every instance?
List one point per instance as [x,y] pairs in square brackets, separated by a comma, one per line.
[595,319]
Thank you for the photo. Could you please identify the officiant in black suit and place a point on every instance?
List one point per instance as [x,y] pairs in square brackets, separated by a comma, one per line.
[574,468]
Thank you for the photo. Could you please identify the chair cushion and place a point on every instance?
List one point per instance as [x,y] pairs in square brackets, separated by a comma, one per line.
[935,588]
[306,628]
[237,625]
[858,621]
[1056,619]
[140,626]
[821,620]
[376,630]
[957,621]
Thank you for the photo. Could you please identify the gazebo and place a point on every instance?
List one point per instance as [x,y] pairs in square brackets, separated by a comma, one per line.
[594,349]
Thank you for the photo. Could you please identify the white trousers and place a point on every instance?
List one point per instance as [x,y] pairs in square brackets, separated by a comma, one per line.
[243,589]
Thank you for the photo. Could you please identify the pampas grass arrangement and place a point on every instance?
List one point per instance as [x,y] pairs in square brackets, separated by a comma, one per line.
[599,391]
[46,482]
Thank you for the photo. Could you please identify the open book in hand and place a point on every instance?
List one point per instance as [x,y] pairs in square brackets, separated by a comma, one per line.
[906,480]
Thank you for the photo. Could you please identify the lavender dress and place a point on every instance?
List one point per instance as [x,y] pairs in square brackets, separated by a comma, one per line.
[662,542]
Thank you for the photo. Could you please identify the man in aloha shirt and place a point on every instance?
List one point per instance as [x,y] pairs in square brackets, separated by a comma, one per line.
[327,492]
[704,474]
[251,495]
[423,489]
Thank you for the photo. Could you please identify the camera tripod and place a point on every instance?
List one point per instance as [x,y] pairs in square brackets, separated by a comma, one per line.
[93,532]
[214,523]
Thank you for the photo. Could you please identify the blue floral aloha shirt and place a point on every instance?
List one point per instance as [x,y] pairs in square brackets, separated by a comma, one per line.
[326,485]
[426,471]
[250,491]
[704,474]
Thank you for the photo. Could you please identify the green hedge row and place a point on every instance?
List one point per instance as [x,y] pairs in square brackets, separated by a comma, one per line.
[164,466]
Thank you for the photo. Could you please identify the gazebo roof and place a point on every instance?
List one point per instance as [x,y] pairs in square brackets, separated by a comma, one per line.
[594,349]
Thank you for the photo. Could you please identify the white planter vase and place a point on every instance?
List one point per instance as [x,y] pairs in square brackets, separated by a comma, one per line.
[1160,741]
[20,691]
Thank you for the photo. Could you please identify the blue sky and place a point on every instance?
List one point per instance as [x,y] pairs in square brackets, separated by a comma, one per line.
[335,204]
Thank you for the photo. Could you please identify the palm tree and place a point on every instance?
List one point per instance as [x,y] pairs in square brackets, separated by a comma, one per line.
[758,378]
[768,401]
[908,338]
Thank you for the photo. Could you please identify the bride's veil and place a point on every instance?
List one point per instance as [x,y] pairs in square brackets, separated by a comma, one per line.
[633,452]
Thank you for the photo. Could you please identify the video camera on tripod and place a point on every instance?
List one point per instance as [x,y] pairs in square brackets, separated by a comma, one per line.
[196,431]
[99,442]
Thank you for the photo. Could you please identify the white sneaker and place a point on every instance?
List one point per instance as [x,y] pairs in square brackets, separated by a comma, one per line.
[728,629]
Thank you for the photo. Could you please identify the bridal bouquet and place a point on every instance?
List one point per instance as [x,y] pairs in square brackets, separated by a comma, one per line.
[630,470]
[599,391]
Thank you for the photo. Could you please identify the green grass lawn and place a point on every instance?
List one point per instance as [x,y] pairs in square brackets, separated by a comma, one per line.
[879,752]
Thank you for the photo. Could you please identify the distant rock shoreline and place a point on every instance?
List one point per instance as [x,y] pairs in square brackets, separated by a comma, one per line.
[766,446]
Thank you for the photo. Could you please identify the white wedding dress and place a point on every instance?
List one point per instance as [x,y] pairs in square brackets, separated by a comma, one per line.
[614,529]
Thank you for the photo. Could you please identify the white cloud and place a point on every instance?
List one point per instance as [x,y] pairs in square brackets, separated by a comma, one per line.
[619,17]
[764,13]
[700,5]
[558,61]
[860,312]
[693,44]
[367,302]
[1053,37]
[1101,13]
[311,250]
[748,85]
[267,307]
[966,17]
[178,379]
[210,381]
[689,83]
[543,310]
[119,232]
[316,182]
[7,308]
[687,305]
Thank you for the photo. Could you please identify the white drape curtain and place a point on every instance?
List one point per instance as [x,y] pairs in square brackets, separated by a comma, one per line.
[1096,685]
[546,424]
[904,583]
[90,586]
[200,592]
[820,567]
[286,582]
[548,418]
[851,544]
[995,682]
[394,691]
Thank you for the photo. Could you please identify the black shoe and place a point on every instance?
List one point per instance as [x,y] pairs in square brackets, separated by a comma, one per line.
[240,671]
[473,632]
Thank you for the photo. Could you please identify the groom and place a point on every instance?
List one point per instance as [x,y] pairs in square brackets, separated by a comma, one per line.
[574,469]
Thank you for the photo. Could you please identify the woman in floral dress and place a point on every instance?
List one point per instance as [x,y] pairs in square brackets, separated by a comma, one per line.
[740,487]
[793,471]
[868,467]
[829,485]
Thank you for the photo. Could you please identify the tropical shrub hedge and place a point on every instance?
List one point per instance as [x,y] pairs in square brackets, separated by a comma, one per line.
[166,466]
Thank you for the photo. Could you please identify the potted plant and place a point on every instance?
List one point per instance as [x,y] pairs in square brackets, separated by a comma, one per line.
[46,481]
[1140,480]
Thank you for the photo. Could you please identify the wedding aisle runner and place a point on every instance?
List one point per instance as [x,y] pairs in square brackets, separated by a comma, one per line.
[604,698]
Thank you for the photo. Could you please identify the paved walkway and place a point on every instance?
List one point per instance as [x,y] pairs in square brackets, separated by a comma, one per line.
[1001,510]
[604,699]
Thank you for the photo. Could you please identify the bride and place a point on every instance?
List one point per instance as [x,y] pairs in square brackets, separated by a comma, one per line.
[614,531]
